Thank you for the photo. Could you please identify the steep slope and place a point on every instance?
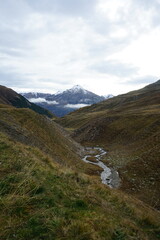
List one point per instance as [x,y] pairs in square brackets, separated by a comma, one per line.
[10,97]
[65,102]
[128,126]
[40,199]
[34,130]
[27,127]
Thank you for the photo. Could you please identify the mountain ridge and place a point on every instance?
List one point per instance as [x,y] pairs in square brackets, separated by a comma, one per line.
[12,98]
[65,102]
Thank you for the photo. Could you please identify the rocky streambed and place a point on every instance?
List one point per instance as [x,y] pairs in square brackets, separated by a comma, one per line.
[109,176]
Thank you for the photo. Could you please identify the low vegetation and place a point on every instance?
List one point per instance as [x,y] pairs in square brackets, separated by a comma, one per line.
[128,126]
[39,200]
[48,192]
[28,127]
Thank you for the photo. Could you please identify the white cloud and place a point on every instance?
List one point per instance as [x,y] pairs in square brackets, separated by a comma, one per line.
[76,106]
[143,53]
[114,9]
[42,100]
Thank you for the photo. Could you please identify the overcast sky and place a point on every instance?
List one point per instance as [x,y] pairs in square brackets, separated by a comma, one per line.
[106,46]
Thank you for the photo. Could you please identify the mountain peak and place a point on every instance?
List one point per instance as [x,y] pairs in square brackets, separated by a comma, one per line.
[77,88]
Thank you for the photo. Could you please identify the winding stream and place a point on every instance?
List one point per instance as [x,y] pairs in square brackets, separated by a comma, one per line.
[109,176]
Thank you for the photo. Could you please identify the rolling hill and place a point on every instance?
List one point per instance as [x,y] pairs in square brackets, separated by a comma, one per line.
[128,126]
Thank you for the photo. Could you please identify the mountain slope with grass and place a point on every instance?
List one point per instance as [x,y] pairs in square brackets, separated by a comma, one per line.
[10,97]
[128,126]
[29,128]
[48,192]
[41,200]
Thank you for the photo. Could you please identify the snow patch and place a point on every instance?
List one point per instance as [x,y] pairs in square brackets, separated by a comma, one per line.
[86,100]
[108,96]
[59,92]
[78,88]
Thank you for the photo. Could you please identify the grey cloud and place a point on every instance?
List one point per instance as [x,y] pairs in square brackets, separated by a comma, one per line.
[8,77]
[114,68]
[11,10]
[14,52]
[19,45]
[73,7]
[147,3]
[12,80]
[108,47]
[142,80]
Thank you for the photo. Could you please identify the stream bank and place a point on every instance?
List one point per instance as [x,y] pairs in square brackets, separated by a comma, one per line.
[109,176]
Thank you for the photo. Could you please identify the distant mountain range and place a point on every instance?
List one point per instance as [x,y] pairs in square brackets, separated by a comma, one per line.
[65,102]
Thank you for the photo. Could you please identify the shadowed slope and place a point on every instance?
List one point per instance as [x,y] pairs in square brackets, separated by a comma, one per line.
[27,127]
[10,97]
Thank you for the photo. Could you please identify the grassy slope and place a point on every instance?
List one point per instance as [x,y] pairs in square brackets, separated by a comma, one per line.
[40,200]
[129,127]
[27,127]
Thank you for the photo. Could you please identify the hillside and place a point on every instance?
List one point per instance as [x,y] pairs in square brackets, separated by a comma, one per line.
[44,193]
[10,97]
[27,127]
[128,126]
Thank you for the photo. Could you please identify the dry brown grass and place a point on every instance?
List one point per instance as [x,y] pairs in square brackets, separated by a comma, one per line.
[128,126]
[39,200]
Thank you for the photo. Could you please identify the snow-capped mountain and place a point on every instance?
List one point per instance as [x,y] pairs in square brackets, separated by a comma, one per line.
[65,102]
[108,96]
[35,95]
[77,89]
[75,95]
